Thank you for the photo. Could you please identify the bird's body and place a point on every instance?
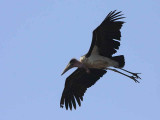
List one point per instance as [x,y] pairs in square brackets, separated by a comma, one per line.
[93,65]
[97,61]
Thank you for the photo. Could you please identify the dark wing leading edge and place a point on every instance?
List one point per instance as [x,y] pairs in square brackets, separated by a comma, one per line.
[107,36]
[76,85]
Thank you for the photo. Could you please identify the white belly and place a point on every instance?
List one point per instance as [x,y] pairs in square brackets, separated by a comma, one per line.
[97,61]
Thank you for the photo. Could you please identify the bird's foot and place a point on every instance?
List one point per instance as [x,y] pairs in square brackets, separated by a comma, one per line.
[134,78]
[136,75]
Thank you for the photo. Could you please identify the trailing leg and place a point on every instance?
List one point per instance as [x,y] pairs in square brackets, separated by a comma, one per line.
[131,77]
[134,74]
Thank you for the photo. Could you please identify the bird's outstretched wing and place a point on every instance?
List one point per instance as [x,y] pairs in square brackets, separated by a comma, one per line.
[76,85]
[107,36]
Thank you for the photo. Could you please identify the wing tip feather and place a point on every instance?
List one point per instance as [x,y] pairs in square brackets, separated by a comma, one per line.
[113,16]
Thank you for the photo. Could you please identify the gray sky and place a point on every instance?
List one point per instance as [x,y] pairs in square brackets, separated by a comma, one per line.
[37,40]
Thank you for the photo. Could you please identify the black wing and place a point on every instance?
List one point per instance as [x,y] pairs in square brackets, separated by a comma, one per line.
[76,85]
[107,36]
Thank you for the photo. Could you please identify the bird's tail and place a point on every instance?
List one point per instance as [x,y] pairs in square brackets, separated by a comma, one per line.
[120,60]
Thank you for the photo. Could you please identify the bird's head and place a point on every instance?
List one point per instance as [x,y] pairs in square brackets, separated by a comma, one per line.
[72,63]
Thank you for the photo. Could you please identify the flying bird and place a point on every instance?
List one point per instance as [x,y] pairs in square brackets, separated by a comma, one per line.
[93,65]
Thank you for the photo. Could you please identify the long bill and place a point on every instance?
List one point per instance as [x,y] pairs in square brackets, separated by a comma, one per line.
[69,66]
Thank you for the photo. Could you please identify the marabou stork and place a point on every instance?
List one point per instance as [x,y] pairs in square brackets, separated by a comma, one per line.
[93,65]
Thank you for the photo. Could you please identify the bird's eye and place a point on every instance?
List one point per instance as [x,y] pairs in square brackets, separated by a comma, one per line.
[71,63]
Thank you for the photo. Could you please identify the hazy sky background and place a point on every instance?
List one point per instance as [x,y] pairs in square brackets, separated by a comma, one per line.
[39,37]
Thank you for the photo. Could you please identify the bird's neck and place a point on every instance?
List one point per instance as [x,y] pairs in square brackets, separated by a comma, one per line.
[83,66]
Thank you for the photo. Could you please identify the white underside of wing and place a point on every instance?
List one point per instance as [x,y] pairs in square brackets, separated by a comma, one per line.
[97,61]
